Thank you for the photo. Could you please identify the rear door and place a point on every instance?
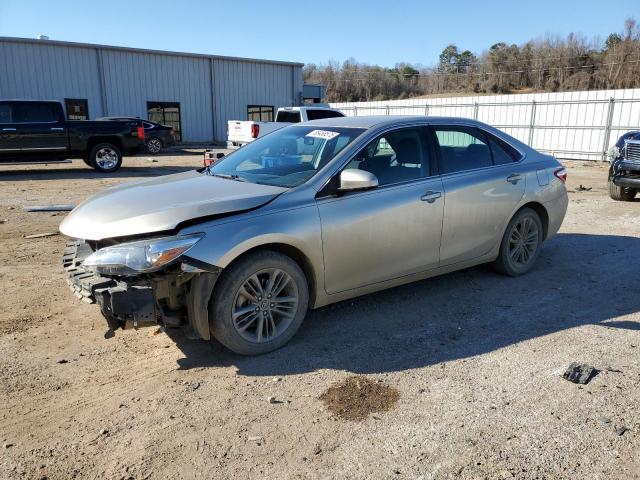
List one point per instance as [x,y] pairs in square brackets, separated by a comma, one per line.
[40,127]
[483,182]
[8,141]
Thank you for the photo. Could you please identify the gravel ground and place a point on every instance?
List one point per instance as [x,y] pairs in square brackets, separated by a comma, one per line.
[476,360]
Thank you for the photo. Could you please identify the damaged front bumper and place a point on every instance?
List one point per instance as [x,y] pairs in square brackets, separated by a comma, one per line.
[626,173]
[167,299]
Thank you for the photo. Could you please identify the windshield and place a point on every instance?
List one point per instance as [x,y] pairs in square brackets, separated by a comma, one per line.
[286,157]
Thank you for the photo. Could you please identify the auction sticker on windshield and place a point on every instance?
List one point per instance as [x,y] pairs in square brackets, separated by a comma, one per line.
[325,134]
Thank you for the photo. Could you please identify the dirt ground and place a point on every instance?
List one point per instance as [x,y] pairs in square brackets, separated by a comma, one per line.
[476,359]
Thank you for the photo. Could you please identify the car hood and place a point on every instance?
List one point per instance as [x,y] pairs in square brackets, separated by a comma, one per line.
[161,203]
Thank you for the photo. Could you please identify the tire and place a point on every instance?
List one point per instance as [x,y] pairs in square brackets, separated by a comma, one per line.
[621,194]
[254,319]
[154,145]
[518,257]
[105,157]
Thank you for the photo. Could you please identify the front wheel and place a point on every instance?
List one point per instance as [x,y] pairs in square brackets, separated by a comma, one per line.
[620,193]
[105,157]
[520,244]
[259,303]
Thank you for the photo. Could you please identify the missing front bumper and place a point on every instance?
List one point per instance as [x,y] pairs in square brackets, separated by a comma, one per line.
[123,304]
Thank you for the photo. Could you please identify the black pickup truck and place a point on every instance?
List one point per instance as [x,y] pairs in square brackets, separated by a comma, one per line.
[36,131]
[624,172]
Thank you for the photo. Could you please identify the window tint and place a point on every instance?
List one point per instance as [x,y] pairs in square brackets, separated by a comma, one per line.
[462,148]
[321,113]
[34,112]
[5,113]
[288,117]
[394,157]
[502,153]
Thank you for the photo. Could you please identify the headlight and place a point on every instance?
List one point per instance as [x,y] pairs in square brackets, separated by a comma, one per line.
[614,153]
[140,257]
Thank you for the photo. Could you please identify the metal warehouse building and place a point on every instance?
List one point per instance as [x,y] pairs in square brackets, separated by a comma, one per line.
[195,93]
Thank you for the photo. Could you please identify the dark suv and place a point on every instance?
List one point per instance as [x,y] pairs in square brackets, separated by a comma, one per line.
[156,136]
[36,131]
[624,172]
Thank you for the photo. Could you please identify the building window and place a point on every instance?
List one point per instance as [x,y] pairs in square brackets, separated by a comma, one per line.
[77,108]
[260,113]
[166,113]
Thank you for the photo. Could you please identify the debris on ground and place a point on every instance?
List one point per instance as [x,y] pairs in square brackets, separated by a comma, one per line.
[193,386]
[357,397]
[42,235]
[8,445]
[62,360]
[3,220]
[104,431]
[583,189]
[272,400]
[580,373]
[50,208]
[621,430]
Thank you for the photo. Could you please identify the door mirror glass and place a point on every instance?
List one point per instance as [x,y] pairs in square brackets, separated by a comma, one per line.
[354,179]
[219,155]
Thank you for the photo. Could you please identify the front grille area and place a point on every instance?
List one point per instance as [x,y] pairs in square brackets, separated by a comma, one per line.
[632,151]
[83,283]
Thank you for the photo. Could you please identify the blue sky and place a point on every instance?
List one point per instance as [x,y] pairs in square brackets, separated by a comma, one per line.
[374,31]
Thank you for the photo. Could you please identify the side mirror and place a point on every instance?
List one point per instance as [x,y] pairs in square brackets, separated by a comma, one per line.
[219,155]
[353,179]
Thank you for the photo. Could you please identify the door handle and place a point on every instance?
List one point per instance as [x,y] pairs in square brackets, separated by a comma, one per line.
[57,129]
[8,129]
[514,178]
[430,196]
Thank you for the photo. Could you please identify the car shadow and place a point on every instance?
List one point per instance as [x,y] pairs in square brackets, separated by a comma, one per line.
[577,281]
[79,171]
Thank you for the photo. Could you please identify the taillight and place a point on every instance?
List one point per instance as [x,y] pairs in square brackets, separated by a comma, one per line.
[255,130]
[561,174]
[141,133]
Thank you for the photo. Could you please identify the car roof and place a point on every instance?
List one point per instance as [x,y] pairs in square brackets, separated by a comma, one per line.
[372,121]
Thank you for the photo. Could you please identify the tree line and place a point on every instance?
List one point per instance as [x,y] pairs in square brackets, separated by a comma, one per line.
[550,64]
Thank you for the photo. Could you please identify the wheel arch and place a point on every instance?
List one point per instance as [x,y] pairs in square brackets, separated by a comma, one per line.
[540,209]
[116,141]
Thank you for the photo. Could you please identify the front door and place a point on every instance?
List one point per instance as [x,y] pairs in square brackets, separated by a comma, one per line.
[483,184]
[389,231]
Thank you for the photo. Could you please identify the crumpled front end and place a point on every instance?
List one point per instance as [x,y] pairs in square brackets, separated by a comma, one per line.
[173,297]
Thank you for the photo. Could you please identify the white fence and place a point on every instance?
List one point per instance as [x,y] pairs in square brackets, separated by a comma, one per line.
[572,125]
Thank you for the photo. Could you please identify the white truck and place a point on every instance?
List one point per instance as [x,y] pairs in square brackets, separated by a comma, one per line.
[241,132]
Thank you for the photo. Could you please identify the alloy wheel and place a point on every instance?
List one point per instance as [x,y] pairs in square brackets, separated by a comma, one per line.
[523,242]
[265,305]
[106,158]
[154,145]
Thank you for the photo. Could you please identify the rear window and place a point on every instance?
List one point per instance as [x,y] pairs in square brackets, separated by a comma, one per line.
[34,113]
[288,117]
[323,113]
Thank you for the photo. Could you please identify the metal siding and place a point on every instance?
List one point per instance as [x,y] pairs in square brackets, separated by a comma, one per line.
[133,79]
[70,73]
[238,84]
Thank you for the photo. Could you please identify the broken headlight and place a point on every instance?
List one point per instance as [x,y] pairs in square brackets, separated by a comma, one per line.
[139,257]
[614,153]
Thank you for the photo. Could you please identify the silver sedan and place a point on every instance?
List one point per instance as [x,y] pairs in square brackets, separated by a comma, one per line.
[309,215]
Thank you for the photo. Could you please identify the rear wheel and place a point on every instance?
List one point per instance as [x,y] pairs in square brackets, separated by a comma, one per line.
[620,193]
[520,244]
[105,157]
[154,145]
[259,303]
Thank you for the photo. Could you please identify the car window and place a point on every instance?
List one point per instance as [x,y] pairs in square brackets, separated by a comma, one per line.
[501,152]
[322,113]
[462,148]
[34,113]
[394,157]
[148,126]
[5,113]
[288,117]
